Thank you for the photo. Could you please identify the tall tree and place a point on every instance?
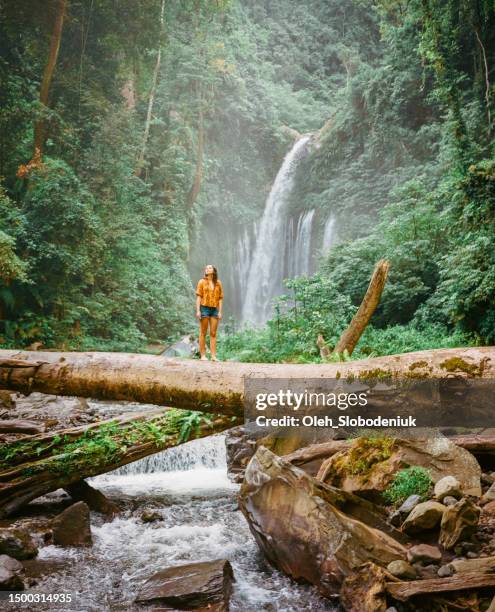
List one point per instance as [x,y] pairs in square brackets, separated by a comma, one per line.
[40,124]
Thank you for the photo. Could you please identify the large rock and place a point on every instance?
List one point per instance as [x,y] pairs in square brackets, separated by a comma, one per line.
[448,486]
[72,526]
[10,574]
[205,585]
[17,543]
[82,491]
[424,553]
[402,569]
[459,523]
[301,531]
[424,516]
[369,466]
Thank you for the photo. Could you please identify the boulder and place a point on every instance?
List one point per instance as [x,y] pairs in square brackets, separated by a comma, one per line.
[296,522]
[17,543]
[402,569]
[72,526]
[369,465]
[82,491]
[425,516]
[187,346]
[447,486]
[424,553]
[459,523]
[204,585]
[10,574]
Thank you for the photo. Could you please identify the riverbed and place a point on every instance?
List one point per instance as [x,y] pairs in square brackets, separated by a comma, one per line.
[189,487]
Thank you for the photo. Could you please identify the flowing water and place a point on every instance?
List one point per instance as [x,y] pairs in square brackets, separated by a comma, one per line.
[188,486]
[328,235]
[299,245]
[266,270]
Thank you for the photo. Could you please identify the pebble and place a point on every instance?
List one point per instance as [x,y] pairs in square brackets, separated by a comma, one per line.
[449,500]
[445,571]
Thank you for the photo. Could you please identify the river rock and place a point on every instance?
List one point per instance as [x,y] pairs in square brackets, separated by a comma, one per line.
[445,571]
[397,517]
[459,523]
[187,346]
[426,515]
[149,515]
[449,501]
[448,485]
[206,585]
[72,526]
[424,553]
[377,466]
[82,491]
[301,532]
[10,574]
[402,569]
[17,543]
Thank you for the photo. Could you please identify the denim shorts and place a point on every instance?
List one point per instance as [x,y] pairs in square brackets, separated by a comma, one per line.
[208,311]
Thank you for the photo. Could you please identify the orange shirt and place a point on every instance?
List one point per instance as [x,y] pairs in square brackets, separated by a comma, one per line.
[209,297]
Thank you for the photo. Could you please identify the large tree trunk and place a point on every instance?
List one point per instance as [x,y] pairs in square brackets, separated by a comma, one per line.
[198,175]
[40,125]
[210,387]
[151,100]
[36,465]
[350,337]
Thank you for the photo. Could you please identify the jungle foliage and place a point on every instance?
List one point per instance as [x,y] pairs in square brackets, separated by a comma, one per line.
[164,116]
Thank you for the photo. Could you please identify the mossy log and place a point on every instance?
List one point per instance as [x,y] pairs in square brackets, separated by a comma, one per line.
[36,465]
[211,387]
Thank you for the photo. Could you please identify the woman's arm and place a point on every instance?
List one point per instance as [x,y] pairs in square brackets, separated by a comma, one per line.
[198,309]
[220,303]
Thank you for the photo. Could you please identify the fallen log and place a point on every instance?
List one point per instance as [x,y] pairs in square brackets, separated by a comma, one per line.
[458,582]
[21,426]
[60,461]
[212,387]
[317,451]
[477,444]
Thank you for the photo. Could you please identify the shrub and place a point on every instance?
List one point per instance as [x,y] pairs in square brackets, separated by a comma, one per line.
[411,481]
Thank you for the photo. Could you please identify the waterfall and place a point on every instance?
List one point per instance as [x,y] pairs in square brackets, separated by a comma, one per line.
[266,271]
[299,245]
[328,235]
[206,452]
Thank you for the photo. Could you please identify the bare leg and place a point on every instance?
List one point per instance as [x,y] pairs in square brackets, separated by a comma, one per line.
[203,329]
[213,337]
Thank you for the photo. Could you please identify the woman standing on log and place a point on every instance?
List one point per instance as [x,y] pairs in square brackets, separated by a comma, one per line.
[209,298]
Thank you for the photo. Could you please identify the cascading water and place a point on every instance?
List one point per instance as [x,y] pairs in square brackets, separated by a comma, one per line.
[328,235]
[266,271]
[188,486]
[299,245]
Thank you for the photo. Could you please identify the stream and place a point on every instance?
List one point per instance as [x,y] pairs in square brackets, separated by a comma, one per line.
[189,487]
